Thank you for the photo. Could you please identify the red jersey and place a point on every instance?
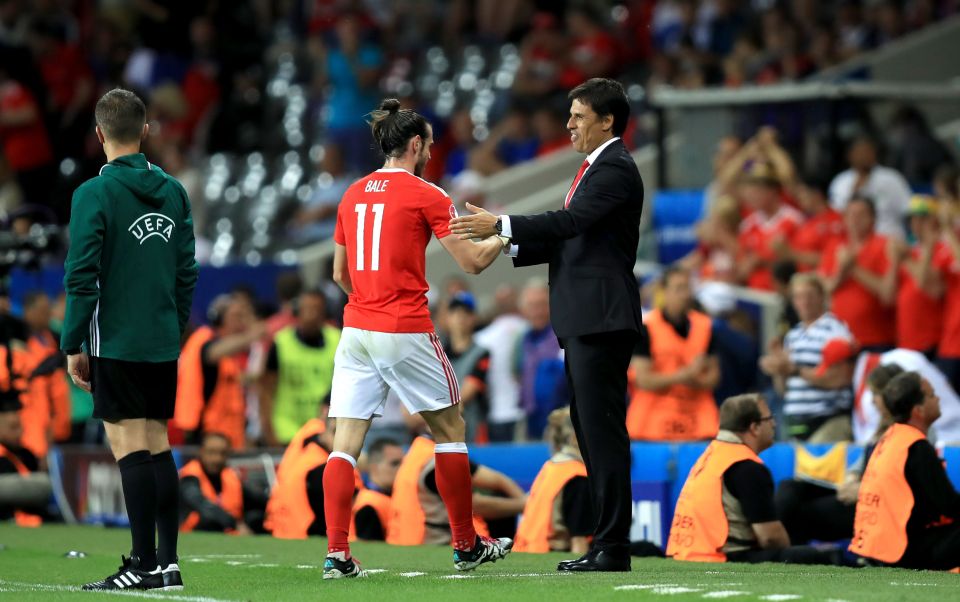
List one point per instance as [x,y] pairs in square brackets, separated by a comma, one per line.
[385,221]
[919,316]
[25,146]
[869,320]
[950,336]
[818,232]
[757,233]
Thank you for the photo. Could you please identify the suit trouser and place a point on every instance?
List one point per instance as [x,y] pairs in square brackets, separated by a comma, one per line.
[596,366]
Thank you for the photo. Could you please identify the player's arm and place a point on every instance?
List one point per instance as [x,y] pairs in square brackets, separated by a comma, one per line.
[188,270]
[472,257]
[82,268]
[341,275]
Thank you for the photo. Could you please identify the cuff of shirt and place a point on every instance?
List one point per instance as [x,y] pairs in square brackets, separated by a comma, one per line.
[506,230]
[514,250]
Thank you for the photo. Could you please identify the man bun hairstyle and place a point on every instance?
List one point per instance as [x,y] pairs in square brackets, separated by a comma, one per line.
[393,127]
[605,97]
[902,394]
[121,114]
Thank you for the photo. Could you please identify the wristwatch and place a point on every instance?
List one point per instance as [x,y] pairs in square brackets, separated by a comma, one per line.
[499,226]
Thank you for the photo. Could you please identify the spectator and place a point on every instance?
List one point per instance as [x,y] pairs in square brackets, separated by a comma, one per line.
[557,516]
[352,69]
[812,511]
[726,511]
[715,256]
[295,509]
[46,403]
[541,52]
[471,362]
[907,509]
[736,349]
[948,262]
[212,496]
[537,351]
[727,149]
[500,337]
[26,144]
[510,142]
[783,272]
[371,508]
[919,304]
[675,369]
[867,420]
[915,150]
[298,373]
[866,178]
[419,515]
[861,279]
[592,50]
[210,391]
[822,227]
[813,368]
[317,218]
[772,225]
[549,125]
[24,490]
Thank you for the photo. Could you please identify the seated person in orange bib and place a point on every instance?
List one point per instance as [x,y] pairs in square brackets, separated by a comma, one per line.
[726,512]
[372,506]
[558,516]
[907,510]
[419,514]
[296,509]
[809,510]
[212,496]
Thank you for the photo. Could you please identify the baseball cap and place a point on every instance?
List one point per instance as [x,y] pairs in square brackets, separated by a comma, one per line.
[462,299]
[922,204]
[836,351]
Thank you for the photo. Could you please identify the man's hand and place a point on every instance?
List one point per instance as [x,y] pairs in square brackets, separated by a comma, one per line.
[480,225]
[78,367]
[847,493]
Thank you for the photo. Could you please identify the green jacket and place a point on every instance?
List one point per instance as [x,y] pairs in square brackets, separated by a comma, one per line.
[130,270]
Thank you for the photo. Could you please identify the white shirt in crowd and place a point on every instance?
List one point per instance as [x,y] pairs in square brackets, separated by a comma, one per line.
[500,338]
[886,187]
[866,418]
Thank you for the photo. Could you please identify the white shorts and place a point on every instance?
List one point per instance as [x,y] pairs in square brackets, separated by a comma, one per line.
[368,365]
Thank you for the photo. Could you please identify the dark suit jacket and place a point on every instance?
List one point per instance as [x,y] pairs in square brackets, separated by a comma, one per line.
[591,248]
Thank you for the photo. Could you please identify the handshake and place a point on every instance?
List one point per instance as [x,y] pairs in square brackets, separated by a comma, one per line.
[481,225]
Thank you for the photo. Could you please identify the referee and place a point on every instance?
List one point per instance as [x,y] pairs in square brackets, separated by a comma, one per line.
[130,275]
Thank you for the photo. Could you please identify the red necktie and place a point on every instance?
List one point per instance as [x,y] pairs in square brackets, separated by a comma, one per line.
[576,181]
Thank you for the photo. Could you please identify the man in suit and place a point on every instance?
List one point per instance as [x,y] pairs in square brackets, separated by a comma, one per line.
[590,245]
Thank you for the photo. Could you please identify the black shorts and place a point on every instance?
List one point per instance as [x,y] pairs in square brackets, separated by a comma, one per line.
[124,390]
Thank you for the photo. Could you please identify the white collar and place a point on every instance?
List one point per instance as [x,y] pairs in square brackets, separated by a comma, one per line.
[596,153]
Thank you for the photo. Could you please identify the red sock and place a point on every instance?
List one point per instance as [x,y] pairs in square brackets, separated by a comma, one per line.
[338,485]
[456,488]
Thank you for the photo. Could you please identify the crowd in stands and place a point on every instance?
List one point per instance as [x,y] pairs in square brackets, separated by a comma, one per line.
[223,77]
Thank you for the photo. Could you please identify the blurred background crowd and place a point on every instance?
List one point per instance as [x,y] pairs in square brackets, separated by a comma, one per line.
[258,107]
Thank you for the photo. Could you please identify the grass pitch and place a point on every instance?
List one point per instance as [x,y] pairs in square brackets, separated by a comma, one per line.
[219,568]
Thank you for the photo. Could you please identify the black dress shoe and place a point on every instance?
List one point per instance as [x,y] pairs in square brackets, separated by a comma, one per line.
[597,561]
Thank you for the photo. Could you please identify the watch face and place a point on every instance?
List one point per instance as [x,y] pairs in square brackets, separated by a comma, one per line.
[499,226]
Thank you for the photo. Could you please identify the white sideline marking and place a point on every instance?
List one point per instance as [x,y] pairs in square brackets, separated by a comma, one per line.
[264,566]
[13,586]
[219,556]
[725,594]
[306,566]
[669,591]
[413,574]
[778,597]
[198,559]
[235,562]
[644,586]
[914,584]
[374,571]
[457,576]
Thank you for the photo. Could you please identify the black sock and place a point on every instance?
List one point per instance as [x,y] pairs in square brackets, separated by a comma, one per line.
[140,496]
[168,506]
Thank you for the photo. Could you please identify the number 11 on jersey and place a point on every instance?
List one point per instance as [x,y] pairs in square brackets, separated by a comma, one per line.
[361,209]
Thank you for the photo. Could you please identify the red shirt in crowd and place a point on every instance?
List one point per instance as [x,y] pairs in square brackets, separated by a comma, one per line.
[757,234]
[919,316]
[950,335]
[871,322]
[25,146]
[386,220]
[817,233]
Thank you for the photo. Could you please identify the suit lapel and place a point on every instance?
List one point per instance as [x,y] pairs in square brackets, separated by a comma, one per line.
[605,155]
